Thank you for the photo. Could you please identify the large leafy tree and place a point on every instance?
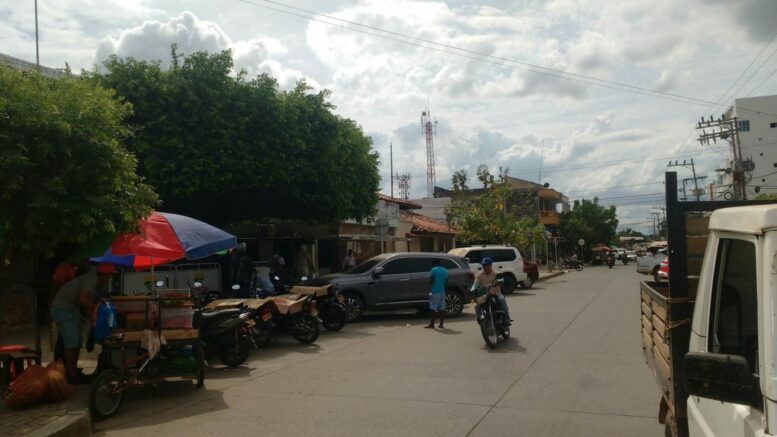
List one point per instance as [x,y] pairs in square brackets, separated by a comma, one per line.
[485,217]
[65,175]
[589,221]
[225,148]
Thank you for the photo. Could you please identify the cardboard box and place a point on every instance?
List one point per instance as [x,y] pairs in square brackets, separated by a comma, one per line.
[290,304]
[315,291]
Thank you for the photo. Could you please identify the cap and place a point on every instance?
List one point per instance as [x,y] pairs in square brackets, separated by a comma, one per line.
[106,269]
[486,261]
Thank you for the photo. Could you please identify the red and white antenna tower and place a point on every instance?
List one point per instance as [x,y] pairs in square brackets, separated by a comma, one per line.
[429,128]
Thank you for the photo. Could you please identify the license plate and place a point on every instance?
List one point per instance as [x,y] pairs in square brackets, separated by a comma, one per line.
[341,298]
[266,316]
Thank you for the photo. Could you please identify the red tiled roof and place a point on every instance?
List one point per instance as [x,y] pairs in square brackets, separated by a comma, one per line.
[403,204]
[426,225]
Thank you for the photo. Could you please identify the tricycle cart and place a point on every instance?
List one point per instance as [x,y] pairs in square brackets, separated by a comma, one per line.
[157,342]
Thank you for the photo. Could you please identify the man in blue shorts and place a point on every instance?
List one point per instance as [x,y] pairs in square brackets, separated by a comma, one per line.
[438,279]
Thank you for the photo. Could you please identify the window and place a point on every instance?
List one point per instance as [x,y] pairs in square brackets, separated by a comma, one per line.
[448,264]
[734,312]
[475,256]
[744,125]
[773,125]
[400,266]
[502,255]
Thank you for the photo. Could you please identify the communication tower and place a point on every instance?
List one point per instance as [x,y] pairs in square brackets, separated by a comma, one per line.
[429,128]
[404,185]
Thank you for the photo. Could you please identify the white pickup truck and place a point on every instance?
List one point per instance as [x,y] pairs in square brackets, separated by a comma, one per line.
[710,334]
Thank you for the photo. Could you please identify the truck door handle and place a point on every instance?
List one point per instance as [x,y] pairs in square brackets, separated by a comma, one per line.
[499,267]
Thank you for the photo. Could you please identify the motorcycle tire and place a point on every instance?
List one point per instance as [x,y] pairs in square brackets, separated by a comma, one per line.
[236,355]
[609,266]
[335,318]
[305,329]
[506,332]
[579,267]
[263,337]
[489,331]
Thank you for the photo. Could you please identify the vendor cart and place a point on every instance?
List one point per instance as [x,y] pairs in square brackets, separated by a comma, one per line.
[155,342]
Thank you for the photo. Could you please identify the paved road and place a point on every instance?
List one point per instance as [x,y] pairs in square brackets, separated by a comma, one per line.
[574,368]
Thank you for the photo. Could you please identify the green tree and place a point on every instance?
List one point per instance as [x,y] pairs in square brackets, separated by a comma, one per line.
[589,221]
[65,175]
[225,149]
[485,218]
[460,181]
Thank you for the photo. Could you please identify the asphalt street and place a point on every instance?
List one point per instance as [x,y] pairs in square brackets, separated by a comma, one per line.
[574,367]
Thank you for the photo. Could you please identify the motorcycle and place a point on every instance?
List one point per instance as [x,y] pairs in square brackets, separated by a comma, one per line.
[270,321]
[492,320]
[331,310]
[226,334]
[610,262]
[202,293]
[577,265]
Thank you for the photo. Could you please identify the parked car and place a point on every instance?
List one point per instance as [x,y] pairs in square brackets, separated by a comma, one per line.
[508,263]
[394,281]
[631,256]
[532,274]
[650,264]
[663,271]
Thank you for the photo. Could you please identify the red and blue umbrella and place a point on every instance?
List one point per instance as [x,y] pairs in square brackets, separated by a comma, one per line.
[164,238]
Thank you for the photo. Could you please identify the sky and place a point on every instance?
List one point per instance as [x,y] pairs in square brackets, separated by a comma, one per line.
[594,132]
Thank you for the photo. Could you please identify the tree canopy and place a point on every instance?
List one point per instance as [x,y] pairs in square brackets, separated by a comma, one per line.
[486,218]
[589,221]
[225,148]
[65,176]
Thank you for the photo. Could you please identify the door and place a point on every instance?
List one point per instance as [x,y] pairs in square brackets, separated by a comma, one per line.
[420,272]
[394,283]
[733,329]
[475,257]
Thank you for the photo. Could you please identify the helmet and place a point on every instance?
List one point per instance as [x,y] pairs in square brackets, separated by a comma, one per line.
[486,261]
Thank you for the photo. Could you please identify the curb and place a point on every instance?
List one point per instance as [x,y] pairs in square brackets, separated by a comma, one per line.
[73,424]
[549,276]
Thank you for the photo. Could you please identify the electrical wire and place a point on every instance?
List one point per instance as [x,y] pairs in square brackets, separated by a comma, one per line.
[762,82]
[756,71]
[484,57]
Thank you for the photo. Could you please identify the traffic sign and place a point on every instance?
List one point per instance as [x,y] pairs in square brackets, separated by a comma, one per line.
[581,242]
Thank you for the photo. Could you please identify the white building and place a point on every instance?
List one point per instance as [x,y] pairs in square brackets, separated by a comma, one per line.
[757,120]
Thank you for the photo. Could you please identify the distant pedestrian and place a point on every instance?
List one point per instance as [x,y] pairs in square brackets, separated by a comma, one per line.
[438,279]
[349,261]
[303,263]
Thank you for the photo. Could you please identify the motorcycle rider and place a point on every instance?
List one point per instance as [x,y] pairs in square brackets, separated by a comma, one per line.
[487,279]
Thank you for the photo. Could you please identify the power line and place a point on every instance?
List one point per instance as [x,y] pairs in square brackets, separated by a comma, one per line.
[757,70]
[552,72]
[762,82]
[747,68]
[593,190]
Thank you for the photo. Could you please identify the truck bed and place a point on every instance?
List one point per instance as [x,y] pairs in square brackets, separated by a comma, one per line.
[657,337]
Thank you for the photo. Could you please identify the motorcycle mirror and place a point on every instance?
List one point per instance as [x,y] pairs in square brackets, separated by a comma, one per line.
[198,284]
[160,283]
[236,287]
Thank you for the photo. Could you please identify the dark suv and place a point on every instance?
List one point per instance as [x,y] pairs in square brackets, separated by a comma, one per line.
[398,281]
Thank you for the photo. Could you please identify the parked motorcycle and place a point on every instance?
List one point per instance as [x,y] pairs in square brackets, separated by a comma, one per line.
[492,320]
[226,334]
[610,261]
[270,321]
[331,310]
[577,265]
[202,293]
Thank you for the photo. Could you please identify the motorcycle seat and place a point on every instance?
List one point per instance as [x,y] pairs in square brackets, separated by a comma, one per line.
[213,316]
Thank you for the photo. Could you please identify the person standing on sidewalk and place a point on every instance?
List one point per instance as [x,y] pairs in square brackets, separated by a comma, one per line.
[438,279]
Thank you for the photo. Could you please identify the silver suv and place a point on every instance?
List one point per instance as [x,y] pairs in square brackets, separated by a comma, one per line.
[398,281]
[508,262]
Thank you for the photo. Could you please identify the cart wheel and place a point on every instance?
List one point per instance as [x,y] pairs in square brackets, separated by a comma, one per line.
[107,393]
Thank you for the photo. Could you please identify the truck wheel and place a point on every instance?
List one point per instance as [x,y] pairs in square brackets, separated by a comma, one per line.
[655,274]
[528,283]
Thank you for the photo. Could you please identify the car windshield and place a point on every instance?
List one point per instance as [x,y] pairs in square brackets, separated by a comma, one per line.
[364,267]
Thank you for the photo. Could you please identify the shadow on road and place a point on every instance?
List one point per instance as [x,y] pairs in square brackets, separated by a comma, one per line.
[511,345]
[449,331]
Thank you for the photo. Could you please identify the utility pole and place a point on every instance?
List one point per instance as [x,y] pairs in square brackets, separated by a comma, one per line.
[695,179]
[391,171]
[661,212]
[728,129]
[37,52]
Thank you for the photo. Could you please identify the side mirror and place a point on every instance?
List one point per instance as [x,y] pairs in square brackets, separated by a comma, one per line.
[725,378]
[236,287]
[468,261]
[377,272]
